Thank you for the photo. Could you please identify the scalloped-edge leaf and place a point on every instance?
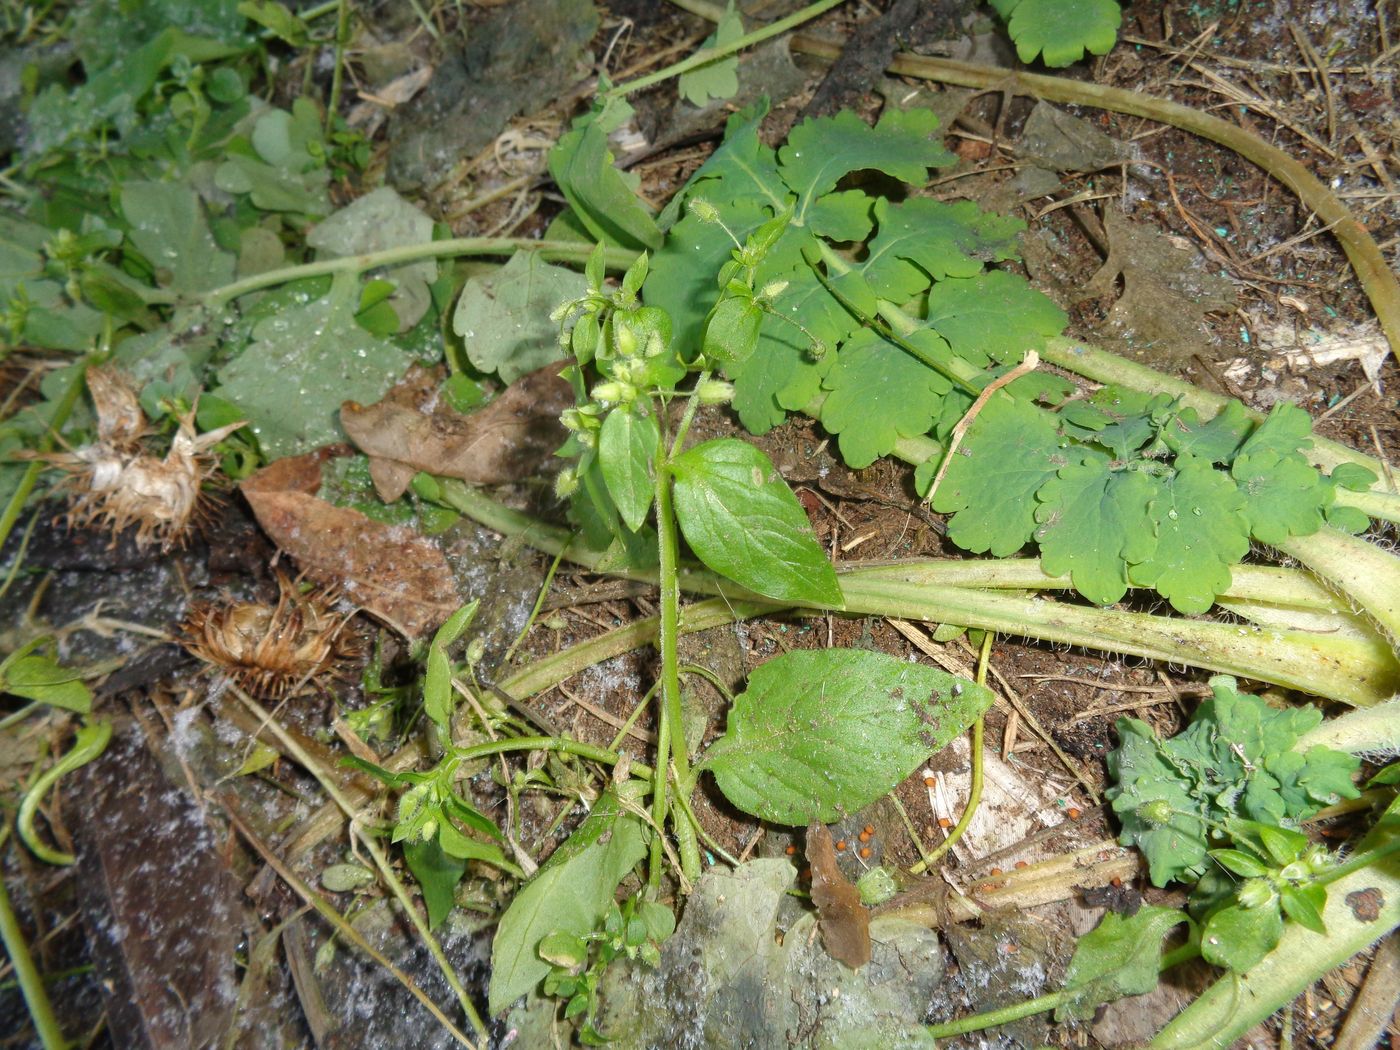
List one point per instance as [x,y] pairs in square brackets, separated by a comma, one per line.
[1060,31]
[995,315]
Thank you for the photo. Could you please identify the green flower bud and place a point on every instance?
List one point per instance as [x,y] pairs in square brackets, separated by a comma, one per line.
[773,289]
[703,210]
[1317,859]
[612,391]
[1158,812]
[715,392]
[1256,893]
[566,483]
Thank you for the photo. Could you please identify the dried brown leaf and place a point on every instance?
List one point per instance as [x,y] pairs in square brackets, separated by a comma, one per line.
[389,570]
[505,441]
[843,920]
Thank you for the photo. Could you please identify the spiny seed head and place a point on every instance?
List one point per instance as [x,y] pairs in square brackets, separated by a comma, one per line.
[270,651]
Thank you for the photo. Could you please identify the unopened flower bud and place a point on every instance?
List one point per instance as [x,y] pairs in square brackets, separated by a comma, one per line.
[1256,893]
[566,483]
[611,391]
[703,210]
[773,289]
[715,392]
[1158,812]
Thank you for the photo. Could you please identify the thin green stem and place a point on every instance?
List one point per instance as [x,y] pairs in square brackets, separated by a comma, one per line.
[991,1018]
[342,38]
[570,251]
[709,55]
[641,706]
[31,982]
[30,477]
[535,609]
[551,743]
[381,861]
[974,793]
[677,445]
[91,741]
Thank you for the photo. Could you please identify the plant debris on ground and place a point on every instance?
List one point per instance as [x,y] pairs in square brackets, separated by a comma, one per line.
[536,523]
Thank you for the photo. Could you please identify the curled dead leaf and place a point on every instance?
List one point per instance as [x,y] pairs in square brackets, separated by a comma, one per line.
[413,429]
[843,920]
[390,571]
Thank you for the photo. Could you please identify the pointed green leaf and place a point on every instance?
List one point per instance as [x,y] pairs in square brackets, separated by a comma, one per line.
[1304,904]
[742,520]
[569,894]
[437,875]
[627,447]
[603,198]
[819,734]
[1121,956]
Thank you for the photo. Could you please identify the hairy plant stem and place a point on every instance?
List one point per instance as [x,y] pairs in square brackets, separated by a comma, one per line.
[1358,671]
[27,976]
[342,40]
[704,58]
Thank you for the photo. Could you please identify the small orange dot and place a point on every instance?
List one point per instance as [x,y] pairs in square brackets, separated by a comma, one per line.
[869,829]
[1075,813]
[1020,864]
[864,836]
[986,887]
[806,874]
[995,871]
[790,850]
[944,822]
[1115,881]
[929,782]
[840,843]
[865,852]
[1012,948]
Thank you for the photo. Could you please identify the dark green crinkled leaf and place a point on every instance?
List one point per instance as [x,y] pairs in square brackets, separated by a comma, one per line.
[742,520]
[1235,759]
[819,734]
[994,315]
[879,394]
[1217,440]
[1010,451]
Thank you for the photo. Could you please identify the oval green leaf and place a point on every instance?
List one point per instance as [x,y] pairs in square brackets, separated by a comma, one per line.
[820,734]
[742,520]
[626,446]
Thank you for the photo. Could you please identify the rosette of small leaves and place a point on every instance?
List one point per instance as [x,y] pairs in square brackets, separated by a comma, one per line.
[1129,489]
[1274,873]
[634,930]
[1236,760]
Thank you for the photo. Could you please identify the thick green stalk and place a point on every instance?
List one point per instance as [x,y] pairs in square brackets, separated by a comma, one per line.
[1361,908]
[1360,570]
[27,976]
[1365,731]
[1357,671]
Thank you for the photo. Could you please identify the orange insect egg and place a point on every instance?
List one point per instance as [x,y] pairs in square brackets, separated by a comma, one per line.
[1115,881]
[1020,864]
[840,843]
[929,782]
[865,852]
[944,822]
[790,850]
[1011,948]
[1074,813]
[864,836]
[995,871]
[869,829]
